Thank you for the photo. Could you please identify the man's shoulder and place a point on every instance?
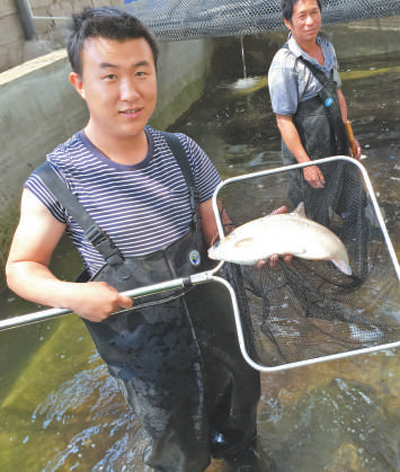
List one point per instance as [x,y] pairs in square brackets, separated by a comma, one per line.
[163,141]
[284,59]
[323,40]
[64,151]
[158,135]
[73,158]
[284,53]
[325,44]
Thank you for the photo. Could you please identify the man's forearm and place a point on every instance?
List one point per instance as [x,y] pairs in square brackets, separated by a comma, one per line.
[292,139]
[94,301]
[342,105]
[35,282]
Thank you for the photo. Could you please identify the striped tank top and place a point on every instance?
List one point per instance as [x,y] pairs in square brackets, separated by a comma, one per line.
[143,207]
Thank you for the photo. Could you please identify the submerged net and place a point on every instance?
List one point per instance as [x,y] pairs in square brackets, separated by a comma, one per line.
[174,20]
[310,309]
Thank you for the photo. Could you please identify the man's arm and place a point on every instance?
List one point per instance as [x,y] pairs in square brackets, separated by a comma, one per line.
[342,105]
[28,273]
[290,135]
[208,222]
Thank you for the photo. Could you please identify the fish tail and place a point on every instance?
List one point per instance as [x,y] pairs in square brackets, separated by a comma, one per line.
[342,266]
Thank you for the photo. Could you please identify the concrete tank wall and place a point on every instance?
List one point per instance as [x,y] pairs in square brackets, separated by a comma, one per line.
[15,49]
[39,109]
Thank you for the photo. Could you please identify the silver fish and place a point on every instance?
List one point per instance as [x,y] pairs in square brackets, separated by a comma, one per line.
[287,233]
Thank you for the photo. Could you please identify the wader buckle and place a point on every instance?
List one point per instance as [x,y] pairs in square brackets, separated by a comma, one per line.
[194,199]
[104,245]
[95,235]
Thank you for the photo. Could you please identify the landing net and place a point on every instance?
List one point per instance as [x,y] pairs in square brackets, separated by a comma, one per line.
[174,20]
[310,311]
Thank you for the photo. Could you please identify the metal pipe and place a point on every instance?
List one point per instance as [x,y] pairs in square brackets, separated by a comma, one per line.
[30,318]
[25,17]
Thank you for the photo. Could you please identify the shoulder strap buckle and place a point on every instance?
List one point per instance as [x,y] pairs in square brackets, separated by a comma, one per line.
[95,235]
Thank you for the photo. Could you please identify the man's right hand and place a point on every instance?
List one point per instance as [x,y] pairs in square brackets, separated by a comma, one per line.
[314,176]
[95,301]
[274,259]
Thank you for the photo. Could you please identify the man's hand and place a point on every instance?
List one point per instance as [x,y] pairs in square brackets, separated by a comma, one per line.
[356,152]
[94,301]
[273,260]
[314,176]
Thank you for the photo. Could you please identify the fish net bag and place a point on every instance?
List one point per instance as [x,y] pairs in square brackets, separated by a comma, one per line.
[308,309]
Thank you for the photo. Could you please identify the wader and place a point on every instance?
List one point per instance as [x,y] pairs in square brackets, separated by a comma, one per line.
[176,357]
[322,132]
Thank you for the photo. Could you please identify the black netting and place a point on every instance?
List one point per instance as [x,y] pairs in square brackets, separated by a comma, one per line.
[310,309]
[174,20]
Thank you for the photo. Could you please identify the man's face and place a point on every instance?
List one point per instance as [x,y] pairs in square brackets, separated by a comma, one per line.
[119,85]
[305,22]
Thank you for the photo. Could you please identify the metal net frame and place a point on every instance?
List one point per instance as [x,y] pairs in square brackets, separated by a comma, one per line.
[308,311]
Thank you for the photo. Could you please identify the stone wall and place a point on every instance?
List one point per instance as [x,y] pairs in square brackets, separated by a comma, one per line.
[15,50]
[11,36]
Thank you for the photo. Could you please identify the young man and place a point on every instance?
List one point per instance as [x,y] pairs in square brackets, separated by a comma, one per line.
[177,362]
[310,114]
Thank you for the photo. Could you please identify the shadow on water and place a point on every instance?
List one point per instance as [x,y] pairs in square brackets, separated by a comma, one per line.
[60,411]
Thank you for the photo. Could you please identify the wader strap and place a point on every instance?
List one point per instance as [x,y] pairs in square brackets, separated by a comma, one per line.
[317,72]
[183,161]
[92,231]
[330,99]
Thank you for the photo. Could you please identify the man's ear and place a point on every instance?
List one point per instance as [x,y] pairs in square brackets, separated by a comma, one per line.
[76,81]
[287,23]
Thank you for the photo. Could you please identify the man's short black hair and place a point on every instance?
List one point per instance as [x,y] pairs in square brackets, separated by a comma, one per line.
[287,8]
[104,22]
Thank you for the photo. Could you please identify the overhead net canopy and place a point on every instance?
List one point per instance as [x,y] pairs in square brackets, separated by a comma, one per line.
[176,20]
[309,310]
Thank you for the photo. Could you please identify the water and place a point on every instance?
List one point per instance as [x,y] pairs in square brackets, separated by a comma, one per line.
[60,411]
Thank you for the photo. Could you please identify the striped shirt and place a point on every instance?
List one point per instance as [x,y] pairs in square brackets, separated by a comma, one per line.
[143,207]
[290,82]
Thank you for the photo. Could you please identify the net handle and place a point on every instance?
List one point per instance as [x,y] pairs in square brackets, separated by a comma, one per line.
[51,313]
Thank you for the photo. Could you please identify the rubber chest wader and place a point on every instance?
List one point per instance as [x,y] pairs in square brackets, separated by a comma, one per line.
[177,361]
[323,133]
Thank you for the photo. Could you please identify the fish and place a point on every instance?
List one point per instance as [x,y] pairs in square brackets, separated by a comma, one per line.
[286,233]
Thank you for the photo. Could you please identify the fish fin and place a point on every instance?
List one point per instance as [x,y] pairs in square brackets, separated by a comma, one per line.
[246,242]
[342,266]
[300,210]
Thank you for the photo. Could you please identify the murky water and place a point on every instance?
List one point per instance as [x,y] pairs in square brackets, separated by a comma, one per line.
[59,410]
